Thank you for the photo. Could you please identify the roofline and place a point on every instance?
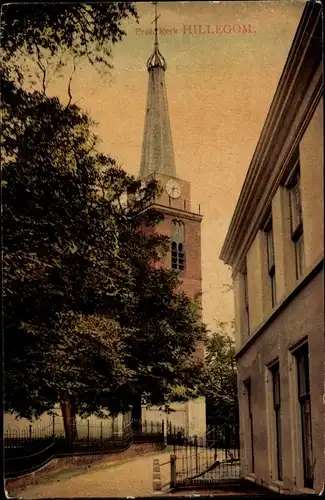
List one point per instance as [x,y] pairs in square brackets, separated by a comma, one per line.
[178,211]
[302,64]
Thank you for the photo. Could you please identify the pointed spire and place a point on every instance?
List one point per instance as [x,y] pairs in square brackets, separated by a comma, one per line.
[157,146]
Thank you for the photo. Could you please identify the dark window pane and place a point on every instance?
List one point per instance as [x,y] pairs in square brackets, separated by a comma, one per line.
[246,288]
[271,261]
[303,372]
[307,442]
[277,415]
[276,387]
[270,247]
[273,289]
[304,400]
[278,443]
[178,257]
[300,256]
[251,426]
[297,225]
[295,205]
[246,299]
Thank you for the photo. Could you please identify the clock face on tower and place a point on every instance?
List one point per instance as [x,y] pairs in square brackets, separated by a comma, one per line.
[173,188]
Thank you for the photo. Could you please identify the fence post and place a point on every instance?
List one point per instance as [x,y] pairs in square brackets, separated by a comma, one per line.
[88,432]
[53,426]
[30,432]
[196,454]
[156,478]
[163,430]
[101,432]
[173,471]
[226,441]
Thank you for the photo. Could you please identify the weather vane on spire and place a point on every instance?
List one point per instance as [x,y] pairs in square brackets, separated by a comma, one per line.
[156,59]
[156,23]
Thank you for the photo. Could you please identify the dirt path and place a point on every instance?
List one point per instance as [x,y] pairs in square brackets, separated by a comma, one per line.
[132,477]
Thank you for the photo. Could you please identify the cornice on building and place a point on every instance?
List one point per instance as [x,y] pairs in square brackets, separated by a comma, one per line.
[298,92]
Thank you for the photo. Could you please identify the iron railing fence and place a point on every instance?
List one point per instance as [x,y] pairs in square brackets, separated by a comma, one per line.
[145,431]
[213,458]
[175,435]
[27,450]
[18,438]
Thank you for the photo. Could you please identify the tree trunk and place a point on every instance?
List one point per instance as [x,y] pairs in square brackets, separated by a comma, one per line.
[69,417]
[136,414]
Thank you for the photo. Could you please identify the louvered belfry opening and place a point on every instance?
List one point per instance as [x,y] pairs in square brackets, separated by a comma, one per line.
[178,251]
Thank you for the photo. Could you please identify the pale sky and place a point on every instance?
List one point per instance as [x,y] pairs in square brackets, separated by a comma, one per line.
[219,86]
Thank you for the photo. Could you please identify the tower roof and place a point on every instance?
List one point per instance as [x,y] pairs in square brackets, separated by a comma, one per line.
[157,146]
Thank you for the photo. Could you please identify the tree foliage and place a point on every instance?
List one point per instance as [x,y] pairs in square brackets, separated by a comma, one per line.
[220,378]
[79,30]
[86,313]
[74,26]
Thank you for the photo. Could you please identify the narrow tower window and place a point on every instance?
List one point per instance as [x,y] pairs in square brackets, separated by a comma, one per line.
[178,253]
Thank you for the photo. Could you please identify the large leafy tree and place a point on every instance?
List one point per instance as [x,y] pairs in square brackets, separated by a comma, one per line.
[61,242]
[89,320]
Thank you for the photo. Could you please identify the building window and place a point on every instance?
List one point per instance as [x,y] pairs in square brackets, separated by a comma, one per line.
[178,253]
[271,261]
[248,389]
[297,234]
[302,358]
[275,370]
[246,302]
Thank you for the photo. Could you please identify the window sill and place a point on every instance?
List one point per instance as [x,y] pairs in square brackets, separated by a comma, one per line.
[311,273]
[276,486]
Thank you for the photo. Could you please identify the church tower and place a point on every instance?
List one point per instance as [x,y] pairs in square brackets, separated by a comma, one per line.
[180,224]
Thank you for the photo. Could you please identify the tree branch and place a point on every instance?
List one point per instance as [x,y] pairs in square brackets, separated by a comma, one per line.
[42,68]
[70,80]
